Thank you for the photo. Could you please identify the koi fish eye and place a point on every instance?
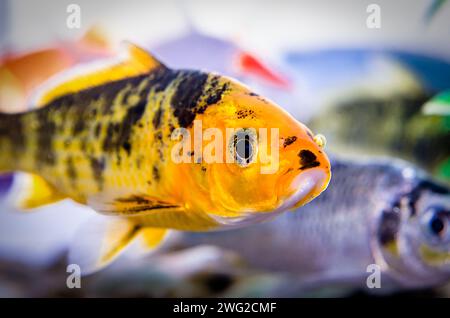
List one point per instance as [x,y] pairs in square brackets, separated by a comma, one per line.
[244,147]
[436,223]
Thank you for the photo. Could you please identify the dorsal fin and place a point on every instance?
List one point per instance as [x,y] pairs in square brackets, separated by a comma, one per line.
[138,61]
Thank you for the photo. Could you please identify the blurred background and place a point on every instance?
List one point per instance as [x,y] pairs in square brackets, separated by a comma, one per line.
[363,83]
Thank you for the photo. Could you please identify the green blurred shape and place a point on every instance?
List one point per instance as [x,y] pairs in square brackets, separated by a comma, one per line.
[433,8]
[438,105]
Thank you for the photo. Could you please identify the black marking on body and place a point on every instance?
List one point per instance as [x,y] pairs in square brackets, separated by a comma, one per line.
[171,128]
[118,135]
[71,171]
[187,96]
[139,162]
[12,130]
[307,160]
[215,90]
[143,204]
[144,208]
[79,126]
[289,140]
[45,152]
[84,104]
[133,115]
[195,92]
[161,78]
[159,145]
[98,129]
[155,173]
[157,117]
[98,166]
[82,111]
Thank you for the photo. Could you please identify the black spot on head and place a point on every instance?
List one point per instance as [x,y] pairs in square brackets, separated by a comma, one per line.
[289,140]
[307,160]
[244,113]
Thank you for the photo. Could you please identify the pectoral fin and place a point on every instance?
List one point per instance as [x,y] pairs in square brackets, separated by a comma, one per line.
[131,205]
[30,191]
[103,239]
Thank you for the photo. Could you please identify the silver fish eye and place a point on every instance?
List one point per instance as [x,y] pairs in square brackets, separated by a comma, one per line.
[243,145]
[436,224]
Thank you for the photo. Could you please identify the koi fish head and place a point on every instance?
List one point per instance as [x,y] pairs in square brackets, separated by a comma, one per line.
[255,158]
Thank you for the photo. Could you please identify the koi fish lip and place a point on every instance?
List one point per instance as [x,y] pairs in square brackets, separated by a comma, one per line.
[306,186]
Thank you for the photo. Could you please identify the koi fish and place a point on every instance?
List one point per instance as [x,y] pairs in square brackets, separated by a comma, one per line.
[106,140]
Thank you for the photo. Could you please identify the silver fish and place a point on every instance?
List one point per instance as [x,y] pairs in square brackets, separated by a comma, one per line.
[383,213]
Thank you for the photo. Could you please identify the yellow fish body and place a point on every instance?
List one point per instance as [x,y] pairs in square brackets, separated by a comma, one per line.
[106,140]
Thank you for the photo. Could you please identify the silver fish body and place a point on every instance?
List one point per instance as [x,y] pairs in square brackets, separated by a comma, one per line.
[372,213]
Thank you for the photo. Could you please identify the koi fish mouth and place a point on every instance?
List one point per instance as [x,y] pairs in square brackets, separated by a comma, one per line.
[307,186]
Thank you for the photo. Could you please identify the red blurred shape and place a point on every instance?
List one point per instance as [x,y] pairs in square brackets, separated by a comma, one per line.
[250,65]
